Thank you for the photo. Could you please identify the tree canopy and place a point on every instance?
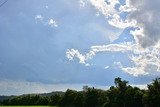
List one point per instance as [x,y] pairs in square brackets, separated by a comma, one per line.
[120,95]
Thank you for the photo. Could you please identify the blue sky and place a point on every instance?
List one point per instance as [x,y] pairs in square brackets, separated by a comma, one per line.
[48,45]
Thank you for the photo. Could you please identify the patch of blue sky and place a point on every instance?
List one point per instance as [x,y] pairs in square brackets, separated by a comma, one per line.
[122,2]
[125,36]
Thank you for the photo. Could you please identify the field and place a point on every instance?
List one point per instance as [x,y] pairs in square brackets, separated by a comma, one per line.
[28,106]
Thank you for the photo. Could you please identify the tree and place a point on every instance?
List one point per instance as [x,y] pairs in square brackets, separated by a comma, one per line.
[152,96]
[43,101]
[91,98]
[113,94]
[55,99]
[68,98]
[122,87]
[79,99]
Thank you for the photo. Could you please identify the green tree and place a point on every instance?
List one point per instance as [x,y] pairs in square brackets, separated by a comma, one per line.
[55,99]
[91,98]
[122,87]
[152,96]
[43,101]
[79,99]
[68,98]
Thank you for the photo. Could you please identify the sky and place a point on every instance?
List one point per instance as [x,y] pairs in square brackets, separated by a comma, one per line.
[49,45]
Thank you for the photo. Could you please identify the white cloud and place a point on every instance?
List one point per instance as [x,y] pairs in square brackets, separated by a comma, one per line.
[107,8]
[52,23]
[144,60]
[72,53]
[106,67]
[127,7]
[143,15]
[146,14]
[39,17]
[82,3]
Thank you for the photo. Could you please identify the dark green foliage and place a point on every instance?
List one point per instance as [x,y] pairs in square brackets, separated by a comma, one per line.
[79,99]
[151,98]
[43,101]
[120,95]
[68,98]
[91,98]
[55,99]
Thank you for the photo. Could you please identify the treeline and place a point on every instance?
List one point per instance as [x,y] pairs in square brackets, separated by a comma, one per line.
[120,95]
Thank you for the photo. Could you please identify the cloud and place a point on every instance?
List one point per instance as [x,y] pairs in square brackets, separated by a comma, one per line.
[145,61]
[106,67]
[108,9]
[146,14]
[10,87]
[39,17]
[143,16]
[52,23]
[72,53]
[82,3]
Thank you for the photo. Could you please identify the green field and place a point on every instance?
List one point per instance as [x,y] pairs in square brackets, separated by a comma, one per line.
[28,106]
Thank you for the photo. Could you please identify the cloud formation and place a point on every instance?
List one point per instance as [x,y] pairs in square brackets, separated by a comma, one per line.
[39,18]
[143,16]
[51,22]
[147,17]
[145,61]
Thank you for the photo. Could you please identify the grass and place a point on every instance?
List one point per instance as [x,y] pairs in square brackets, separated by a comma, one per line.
[28,106]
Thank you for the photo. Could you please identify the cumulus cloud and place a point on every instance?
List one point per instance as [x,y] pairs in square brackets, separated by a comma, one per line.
[143,17]
[147,17]
[107,8]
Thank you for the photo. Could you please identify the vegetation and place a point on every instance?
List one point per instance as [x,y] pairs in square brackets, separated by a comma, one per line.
[120,95]
[29,106]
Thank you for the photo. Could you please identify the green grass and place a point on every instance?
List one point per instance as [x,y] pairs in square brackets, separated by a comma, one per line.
[28,106]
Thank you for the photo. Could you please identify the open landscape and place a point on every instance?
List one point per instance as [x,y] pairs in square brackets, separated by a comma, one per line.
[120,95]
